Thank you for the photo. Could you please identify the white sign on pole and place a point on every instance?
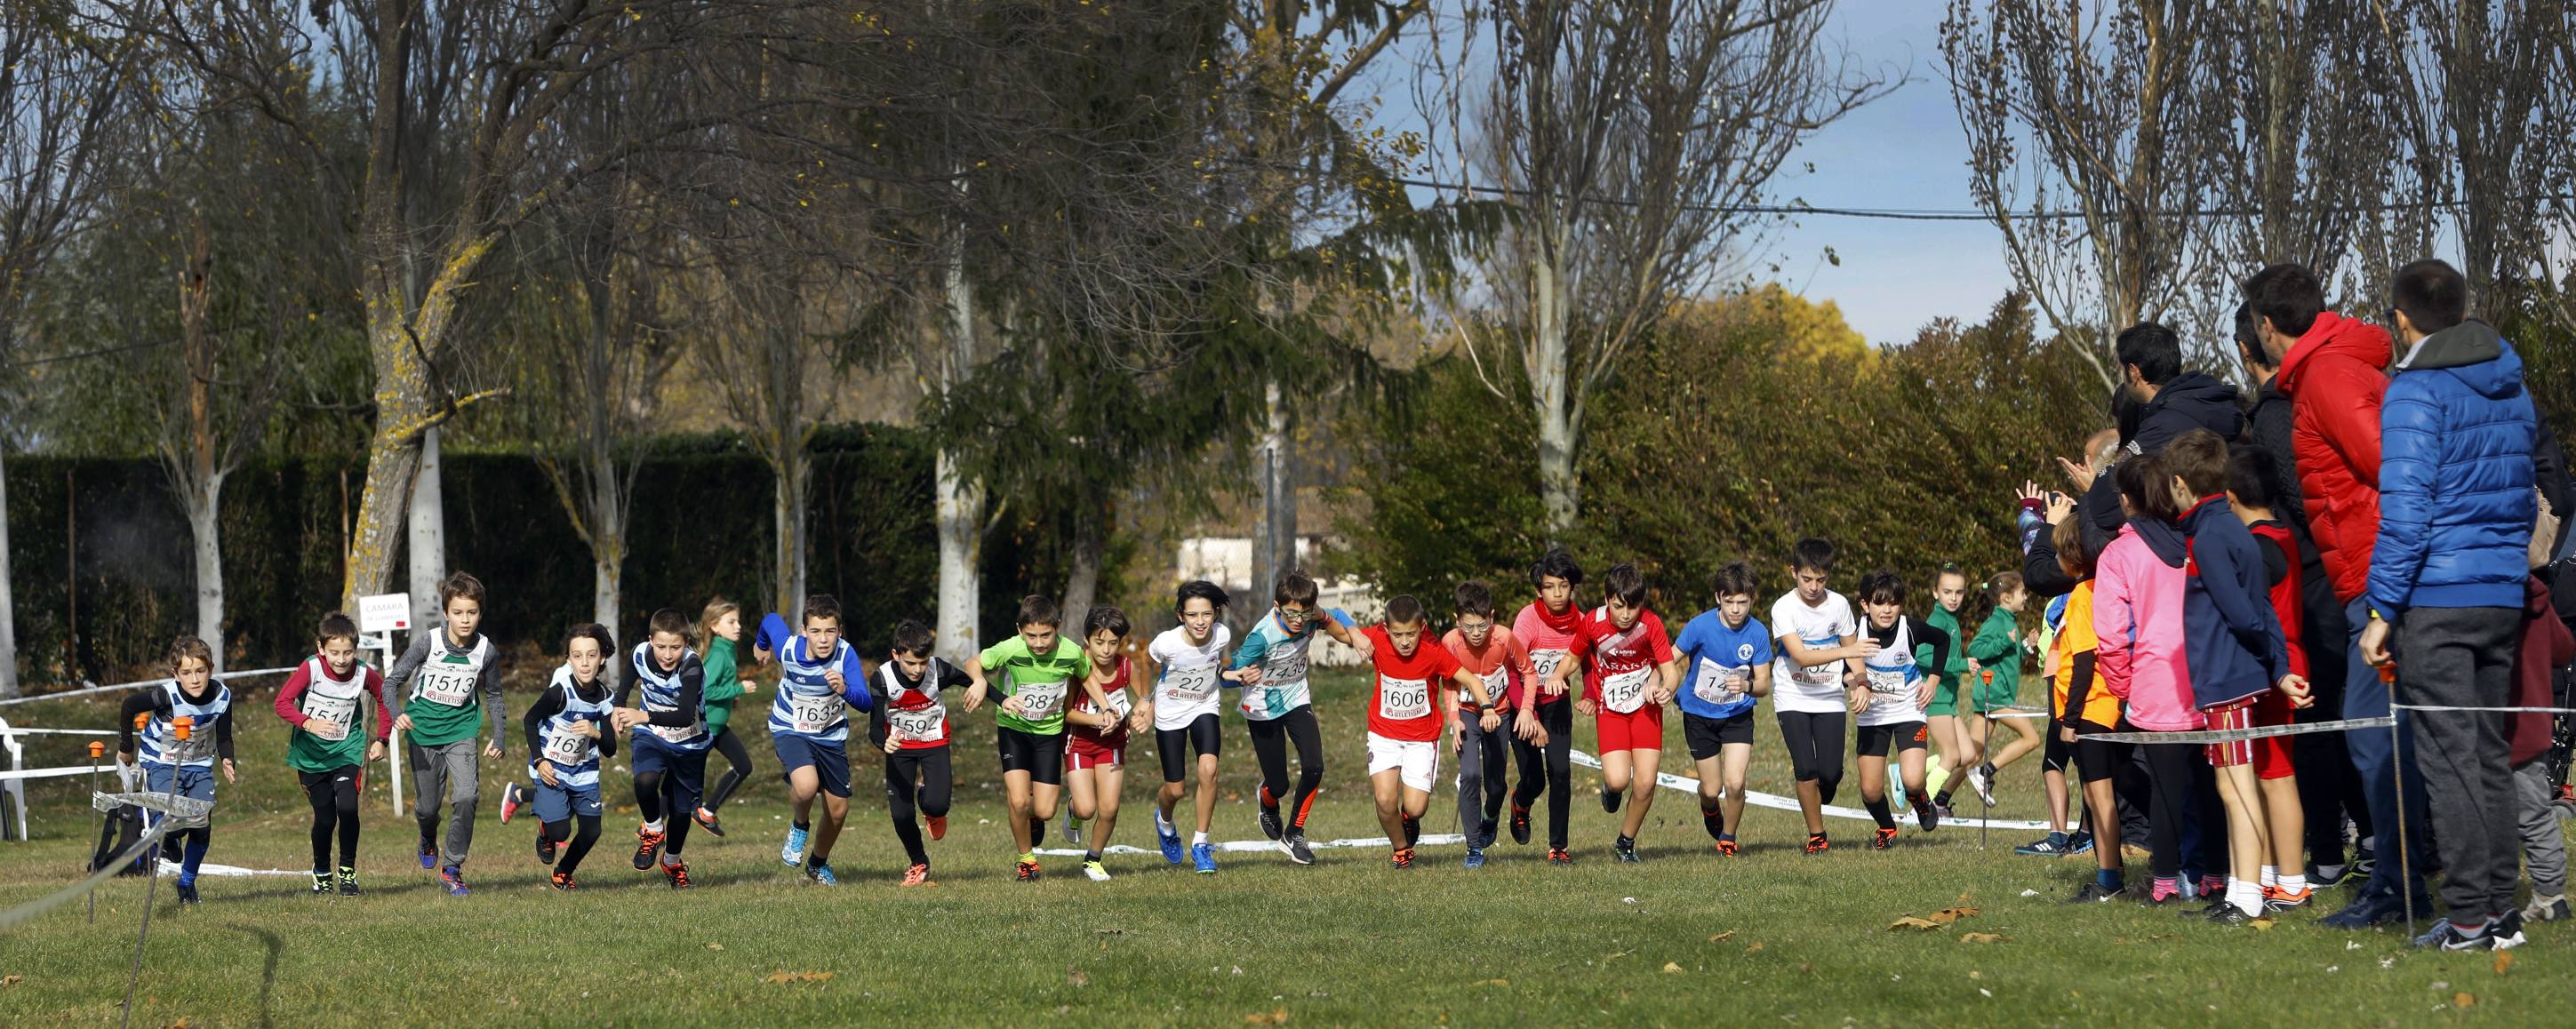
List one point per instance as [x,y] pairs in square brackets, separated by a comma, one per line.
[384,612]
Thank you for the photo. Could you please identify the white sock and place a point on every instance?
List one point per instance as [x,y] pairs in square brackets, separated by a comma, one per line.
[1197,838]
[653,826]
[2271,875]
[1161,823]
[2247,897]
[2294,882]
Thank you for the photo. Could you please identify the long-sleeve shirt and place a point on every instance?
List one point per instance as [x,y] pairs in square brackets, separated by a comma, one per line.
[156,703]
[438,681]
[313,692]
[551,703]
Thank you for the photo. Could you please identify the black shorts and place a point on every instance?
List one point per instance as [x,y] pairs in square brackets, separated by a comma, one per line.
[1874,740]
[1040,756]
[1705,735]
[2095,760]
[1203,734]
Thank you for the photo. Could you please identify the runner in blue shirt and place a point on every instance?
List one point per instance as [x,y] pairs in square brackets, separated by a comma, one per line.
[1726,660]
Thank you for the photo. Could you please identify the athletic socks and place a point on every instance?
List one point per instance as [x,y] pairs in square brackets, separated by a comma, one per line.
[1878,809]
[194,854]
[1942,799]
[1712,817]
[655,826]
[2164,888]
[2244,896]
[2109,878]
[2294,882]
[1197,838]
[2271,876]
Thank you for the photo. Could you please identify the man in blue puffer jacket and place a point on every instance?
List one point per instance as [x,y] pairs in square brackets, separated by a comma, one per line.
[2456,507]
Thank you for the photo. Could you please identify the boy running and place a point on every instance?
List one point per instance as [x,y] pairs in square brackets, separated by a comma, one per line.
[1887,697]
[451,675]
[1547,626]
[1493,654]
[1404,720]
[669,741]
[1095,752]
[565,743]
[186,727]
[1278,709]
[819,681]
[1727,656]
[1038,666]
[320,704]
[1191,657]
[1629,672]
[912,728]
[1819,644]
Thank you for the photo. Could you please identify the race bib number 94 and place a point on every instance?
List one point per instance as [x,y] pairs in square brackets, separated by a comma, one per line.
[1403,699]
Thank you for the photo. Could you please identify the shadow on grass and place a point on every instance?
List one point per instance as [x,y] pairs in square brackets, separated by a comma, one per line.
[275,946]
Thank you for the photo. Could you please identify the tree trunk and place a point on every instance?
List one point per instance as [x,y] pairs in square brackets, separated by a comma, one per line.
[393,460]
[1082,574]
[960,500]
[205,507]
[428,542]
[8,610]
[1552,396]
[795,477]
[607,542]
[1274,543]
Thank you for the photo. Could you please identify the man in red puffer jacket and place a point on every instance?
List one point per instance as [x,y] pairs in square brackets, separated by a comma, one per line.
[2334,370]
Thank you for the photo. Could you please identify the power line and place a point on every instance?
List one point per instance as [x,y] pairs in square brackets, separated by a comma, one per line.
[95,353]
[1934,214]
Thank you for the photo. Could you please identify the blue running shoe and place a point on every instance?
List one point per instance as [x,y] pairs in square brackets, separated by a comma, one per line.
[793,854]
[1476,858]
[1204,855]
[1169,839]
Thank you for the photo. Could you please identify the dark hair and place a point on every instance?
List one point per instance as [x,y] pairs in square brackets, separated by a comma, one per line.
[1880,587]
[2199,458]
[1198,589]
[1037,610]
[2431,294]
[336,626]
[2143,482]
[670,620]
[1558,563]
[1625,584]
[1293,587]
[823,605]
[913,638]
[2288,294]
[2251,475]
[1948,569]
[2072,557]
[1473,597]
[1735,578]
[460,585]
[2249,340]
[2153,348]
[1103,616]
[2126,413]
[186,647]
[1989,598]
[592,631]
[1403,610]
[1812,554]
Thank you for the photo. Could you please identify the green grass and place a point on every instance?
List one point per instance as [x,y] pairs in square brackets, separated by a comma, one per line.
[1685,938]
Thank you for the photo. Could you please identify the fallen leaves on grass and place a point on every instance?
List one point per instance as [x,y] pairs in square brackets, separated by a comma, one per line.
[1613,956]
[1980,938]
[1075,977]
[1946,916]
[2504,960]
[2464,999]
[1753,946]
[1277,1016]
[1911,922]
[11,980]
[2261,924]
[797,977]
[1492,982]
[1671,966]
[715,946]
[1722,937]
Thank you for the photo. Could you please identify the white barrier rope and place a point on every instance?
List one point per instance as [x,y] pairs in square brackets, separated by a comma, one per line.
[85,691]
[1777,802]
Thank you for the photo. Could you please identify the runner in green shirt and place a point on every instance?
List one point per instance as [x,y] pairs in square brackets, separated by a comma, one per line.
[1037,667]
[720,632]
[322,704]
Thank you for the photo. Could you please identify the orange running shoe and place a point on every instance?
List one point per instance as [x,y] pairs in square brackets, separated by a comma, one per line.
[1726,847]
[1403,857]
[678,874]
[648,845]
[938,827]
[920,874]
[2277,899]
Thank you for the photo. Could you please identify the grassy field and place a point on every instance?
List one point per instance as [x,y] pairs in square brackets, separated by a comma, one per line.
[1686,938]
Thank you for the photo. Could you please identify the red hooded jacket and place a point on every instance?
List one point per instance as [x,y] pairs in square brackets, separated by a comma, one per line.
[2335,376]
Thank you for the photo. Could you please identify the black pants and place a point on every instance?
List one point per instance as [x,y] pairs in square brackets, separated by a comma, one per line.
[1270,741]
[2170,784]
[731,747]
[334,795]
[1815,743]
[581,841]
[1548,770]
[916,779]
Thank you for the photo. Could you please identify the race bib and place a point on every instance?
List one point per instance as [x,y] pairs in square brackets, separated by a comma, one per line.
[1819,676]
[1545,662]
[1711,686]
[921,724]
[329,717]
[815,714]
[1626,691]
[1498,684]
[1403,699]
[453,687]
[1889,682]
[1192,685]
[1119,705]
[1040,701]
[678,734]
[1285,667]
[567,748]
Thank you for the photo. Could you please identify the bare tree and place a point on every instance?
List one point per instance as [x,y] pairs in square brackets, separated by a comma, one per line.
[2102,111]
[2489,78]
[2302,97]
[1631,137]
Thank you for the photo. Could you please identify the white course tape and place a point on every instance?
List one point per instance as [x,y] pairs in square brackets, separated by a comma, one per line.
[48,773]
[251,673]
[1261,846]
[1756,798]
[2234,735]
[6,731]
[171,869]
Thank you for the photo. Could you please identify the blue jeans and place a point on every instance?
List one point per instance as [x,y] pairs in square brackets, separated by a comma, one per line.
[2373,760]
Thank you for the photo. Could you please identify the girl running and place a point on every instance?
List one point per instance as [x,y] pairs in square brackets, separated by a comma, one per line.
[1994,667]
[728,681]
[1095,753]
[1950,739]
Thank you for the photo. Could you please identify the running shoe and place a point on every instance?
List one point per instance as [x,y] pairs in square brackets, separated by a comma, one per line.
[1984,782]
[648,845]
[677,873]
[820,874]
[562,882]
[938,826]
[1204,857]
[1025,871]
[2230,914]
[2216,900]
[2370,911]
[2449,937]
[1402,859]
[1072,829]
[545,847]
[1485,832]
[2161,893]
[1270,826]
[454,877]
[1726,848]
[2324,876]
[510,802]
[428,853]
[2081,842]
[1169,839]
[188,894]
[1817,844]
[916,875]
[2051,845]
[1095,871]
[1298,851]
[1520,825]
[2506,931]
[1475,857]
[1927,815]
[2094,893]
[1882,839]
[1610,799]
[1559,856]
[792,854]
[321,883]
[2546,908]
[707,820]
[2276,898]
[348,882]
[1624,851]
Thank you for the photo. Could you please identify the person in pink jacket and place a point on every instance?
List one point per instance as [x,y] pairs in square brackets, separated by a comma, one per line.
[2137,616]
